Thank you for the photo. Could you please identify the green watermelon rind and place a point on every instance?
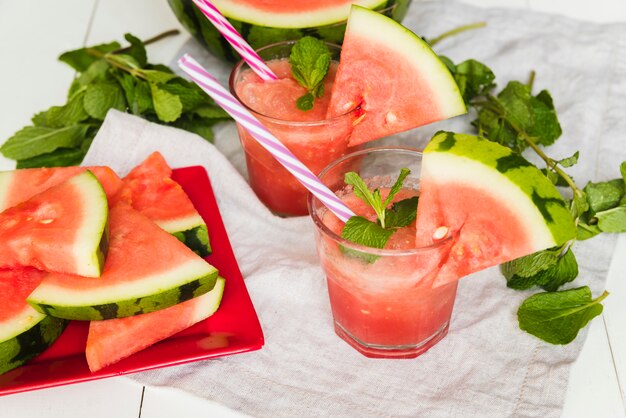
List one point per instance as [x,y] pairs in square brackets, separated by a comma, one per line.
[303,19]
[31,342]
[381,30]
[196,239]
[149,294]
[92,241]
[259,35]
[521,186]
[212,301]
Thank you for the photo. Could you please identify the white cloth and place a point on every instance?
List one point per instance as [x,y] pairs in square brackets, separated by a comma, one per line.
[486,366]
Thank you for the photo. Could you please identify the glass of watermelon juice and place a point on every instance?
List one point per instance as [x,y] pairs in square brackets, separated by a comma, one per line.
[382,300]
[313,139]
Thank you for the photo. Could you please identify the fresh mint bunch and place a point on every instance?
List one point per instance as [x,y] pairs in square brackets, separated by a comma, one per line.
[310,60]
[110,76]
[388,218]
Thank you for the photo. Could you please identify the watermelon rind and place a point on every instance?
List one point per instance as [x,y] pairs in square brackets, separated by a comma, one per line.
[301,19]
[196,239]
[261,29]
[449,157]
[178,284]
[92,237]
[26,336]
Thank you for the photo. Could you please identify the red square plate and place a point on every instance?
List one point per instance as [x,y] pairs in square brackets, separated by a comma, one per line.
[234,328]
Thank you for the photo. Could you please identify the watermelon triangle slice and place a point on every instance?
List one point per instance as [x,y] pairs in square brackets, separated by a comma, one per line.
[24,332]
[152,192]
[393,76]
[115,339]
[146,269]
[61,229]
[17,186]
[498,205]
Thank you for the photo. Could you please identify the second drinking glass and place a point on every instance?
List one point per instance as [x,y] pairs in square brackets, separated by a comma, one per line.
[313,139]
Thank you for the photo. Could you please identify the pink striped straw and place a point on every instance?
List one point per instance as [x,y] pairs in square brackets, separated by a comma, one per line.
[235,39]
[234,108]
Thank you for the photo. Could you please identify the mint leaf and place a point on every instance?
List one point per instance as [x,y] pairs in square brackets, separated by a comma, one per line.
[557,317]
[62,157]
[569,161]
[137,49]
[157,77]
[305,102]
[402,213]
[564,271]
[612,220]
[404,172]
[586,231]
[208,111]
[473,78]
[36,140]
[622,169]
[310,60]
[365,232]
[102,96]
[167,106]
[362,192]
[530,265]
[81,59]
[604,195]
[71,113]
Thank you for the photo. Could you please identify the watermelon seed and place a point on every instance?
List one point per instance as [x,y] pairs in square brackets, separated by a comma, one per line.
[358,120]
[46,221]
[390,118]
[440,233]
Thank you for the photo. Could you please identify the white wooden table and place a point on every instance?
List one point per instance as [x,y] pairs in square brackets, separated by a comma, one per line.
[32,35]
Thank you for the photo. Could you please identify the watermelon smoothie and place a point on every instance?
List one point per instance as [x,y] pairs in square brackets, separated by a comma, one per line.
[386,307]
[313,139]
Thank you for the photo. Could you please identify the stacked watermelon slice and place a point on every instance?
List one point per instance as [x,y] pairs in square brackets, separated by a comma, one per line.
[79,243]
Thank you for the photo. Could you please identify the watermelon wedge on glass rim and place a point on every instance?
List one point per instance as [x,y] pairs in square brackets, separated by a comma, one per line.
[115,339]
[500,206]
[146,270]
[24,332]
[152,192]
[392,76]
[269,21]
[62,229]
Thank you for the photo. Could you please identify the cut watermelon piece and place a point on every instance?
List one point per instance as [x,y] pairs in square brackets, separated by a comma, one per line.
[62,229]
[24,332]
[146,269]
[17,186]
[115,339]
[501,206]
[398,82]
[152,192]
[269,21]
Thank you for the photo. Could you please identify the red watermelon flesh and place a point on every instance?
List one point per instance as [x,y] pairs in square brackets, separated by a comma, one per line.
[155,194]
[61,229]
[115,339]
[393,76]
[19,185]
[15,286]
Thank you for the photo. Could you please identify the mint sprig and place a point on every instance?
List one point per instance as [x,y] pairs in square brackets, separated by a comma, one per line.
[310,60]
[110,76]
[388,219]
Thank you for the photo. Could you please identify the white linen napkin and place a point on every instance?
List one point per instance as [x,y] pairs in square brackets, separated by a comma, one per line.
[486,366]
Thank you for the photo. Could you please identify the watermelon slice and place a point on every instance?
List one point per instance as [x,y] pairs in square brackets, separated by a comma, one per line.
[153,192]
[61,229]
[501,206]
[146,269]
[17,186]
[24,332]
[398,82]
[268,21]
[115,339]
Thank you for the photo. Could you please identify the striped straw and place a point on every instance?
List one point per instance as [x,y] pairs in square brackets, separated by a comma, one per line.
[231,105]
[235,39]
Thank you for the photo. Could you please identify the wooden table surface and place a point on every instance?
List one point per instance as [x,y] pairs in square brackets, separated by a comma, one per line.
[32,35]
